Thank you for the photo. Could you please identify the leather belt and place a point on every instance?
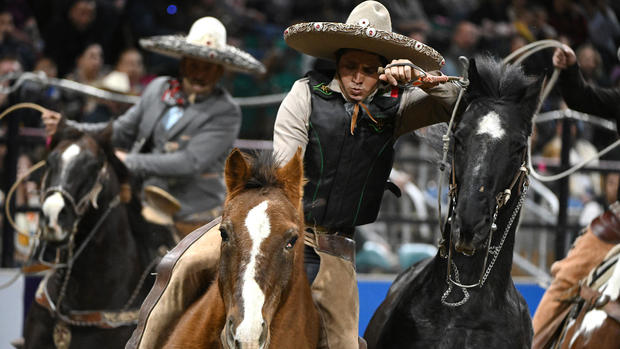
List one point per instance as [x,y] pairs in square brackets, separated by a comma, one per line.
[334,244]
[607,226]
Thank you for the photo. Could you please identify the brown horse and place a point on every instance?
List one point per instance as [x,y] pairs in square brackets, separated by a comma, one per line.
[593,321]
[261,297]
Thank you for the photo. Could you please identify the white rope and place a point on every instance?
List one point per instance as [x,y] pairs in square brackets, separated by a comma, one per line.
[521,54]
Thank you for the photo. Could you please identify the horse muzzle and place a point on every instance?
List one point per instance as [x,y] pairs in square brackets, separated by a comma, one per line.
[230,341]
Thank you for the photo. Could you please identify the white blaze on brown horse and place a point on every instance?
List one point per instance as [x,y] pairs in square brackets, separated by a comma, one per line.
[261,297]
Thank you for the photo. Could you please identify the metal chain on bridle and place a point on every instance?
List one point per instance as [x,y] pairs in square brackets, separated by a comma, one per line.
[501,199]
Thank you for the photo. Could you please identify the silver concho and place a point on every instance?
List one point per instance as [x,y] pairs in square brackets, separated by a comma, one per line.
[371,32]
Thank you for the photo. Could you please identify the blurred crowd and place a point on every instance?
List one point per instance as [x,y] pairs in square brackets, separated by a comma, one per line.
[95,42]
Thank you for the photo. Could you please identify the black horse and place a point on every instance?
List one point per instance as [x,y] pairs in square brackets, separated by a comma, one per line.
[101,267]
[464,297]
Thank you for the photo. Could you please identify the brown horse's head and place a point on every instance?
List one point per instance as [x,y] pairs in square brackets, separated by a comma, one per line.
[262,245]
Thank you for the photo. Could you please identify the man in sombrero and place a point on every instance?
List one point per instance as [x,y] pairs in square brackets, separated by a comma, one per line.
[178,135]
[347,122]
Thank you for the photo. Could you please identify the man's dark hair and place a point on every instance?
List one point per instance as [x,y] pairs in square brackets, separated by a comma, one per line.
[342,51]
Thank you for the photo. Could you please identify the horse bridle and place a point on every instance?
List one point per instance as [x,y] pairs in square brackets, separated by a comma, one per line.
[520,181]
[79,207]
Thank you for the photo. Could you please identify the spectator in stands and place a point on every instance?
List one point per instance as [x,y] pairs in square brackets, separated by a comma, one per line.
[568,20]
[10,45]
[84,22]
[88,70]
[591,65]
[464,43]
[590,248]
[130,62]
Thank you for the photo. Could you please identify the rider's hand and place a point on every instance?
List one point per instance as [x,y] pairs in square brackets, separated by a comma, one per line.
[120,154]
[564,57]
[50,120]
[399,73]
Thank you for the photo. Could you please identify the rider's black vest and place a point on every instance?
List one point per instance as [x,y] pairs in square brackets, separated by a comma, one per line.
[347,173]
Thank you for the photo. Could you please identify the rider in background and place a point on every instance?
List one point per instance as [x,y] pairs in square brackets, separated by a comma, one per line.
[603,233]
[346,121]
[178,135]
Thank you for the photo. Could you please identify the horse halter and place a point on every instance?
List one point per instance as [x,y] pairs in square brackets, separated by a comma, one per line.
[521,182]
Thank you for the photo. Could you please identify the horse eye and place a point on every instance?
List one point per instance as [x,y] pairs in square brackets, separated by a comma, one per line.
[291,243]
[224,234]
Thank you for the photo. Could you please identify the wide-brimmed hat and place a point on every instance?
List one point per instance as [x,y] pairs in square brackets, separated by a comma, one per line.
[368,28]
[206,40]
[159,206]
[115,81]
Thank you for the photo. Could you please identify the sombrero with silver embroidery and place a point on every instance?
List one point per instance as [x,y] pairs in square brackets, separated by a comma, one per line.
[368,28]
[206,40]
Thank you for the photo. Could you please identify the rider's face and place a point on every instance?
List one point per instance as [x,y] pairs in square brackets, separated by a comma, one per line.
[358,73]
[199,76]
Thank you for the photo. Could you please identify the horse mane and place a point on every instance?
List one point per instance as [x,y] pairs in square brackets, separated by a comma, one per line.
[496,80]
[263,170]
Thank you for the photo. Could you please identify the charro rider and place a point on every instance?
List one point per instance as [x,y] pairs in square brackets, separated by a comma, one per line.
[347,123]
[603,233]
[177,136]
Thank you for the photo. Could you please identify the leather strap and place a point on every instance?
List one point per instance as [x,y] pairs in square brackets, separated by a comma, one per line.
[97,318]
[164,274]
[595,299]
[607,226]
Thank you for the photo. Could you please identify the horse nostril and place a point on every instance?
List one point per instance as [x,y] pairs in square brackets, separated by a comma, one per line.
[263,335]
[230,336]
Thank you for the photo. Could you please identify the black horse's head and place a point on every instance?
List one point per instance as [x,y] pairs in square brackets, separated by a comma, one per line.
[79,168]
[490,141]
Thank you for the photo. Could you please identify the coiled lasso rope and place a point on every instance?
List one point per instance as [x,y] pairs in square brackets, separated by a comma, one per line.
[11,191]
[518,56]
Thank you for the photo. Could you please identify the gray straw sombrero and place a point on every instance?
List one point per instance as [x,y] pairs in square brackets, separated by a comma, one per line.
[368,28]
[206,40]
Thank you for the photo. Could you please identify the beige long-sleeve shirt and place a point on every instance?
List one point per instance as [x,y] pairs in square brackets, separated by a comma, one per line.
[418,108]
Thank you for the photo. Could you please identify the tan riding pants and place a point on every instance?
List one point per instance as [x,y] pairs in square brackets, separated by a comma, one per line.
[336,296]
[587,252]
[181,280]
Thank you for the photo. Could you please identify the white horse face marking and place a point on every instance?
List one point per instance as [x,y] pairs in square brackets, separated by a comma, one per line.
[490,125]
[52,206]
[70,153]
[259,228]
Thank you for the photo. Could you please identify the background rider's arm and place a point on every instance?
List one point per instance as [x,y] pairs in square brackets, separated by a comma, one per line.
[292,122]
[214,140]
[587,98]
[420,108]
[127,125]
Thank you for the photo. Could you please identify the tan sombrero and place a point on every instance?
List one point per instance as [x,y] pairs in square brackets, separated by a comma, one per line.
[159,206]
[368,28]
[117,82]
[206,40]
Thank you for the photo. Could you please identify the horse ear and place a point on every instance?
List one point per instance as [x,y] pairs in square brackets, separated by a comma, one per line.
[476,87]
[60,134]
[292,176]
[104,137]
[236,171]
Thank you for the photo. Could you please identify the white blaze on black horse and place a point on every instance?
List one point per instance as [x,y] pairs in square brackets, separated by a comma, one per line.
[464,297]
